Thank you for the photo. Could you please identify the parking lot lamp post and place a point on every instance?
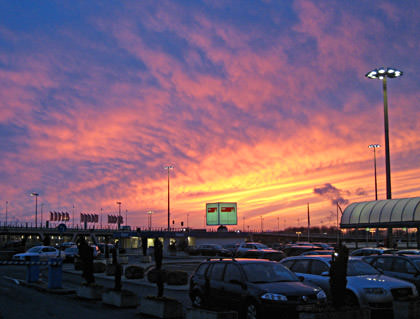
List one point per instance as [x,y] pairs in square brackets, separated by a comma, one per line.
[169,167]
[6,211]
[383,74]
[36,208]
[119,215]
[375,146]
[42,206]
[149,218]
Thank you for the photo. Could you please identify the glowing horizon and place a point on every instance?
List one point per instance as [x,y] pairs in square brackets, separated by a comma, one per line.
[264,104]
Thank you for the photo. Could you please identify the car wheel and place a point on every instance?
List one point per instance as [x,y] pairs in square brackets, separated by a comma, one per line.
[351,300]
[251,310]
[197,300]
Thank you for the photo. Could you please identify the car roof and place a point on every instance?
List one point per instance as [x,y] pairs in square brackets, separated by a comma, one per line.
[394,256]
[242,260]
[325,258]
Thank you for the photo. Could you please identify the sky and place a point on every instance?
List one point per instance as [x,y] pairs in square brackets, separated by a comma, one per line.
[262,103]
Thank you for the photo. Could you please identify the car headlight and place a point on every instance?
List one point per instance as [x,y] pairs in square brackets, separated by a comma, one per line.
[275,297]
[321,295]
[374,291]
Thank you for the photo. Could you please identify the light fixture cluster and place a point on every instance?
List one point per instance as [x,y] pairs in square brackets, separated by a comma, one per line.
[384,72]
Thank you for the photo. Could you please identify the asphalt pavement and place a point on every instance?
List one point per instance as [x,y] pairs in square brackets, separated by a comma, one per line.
[19,300]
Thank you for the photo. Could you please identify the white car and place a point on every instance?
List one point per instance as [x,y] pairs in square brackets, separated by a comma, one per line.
[44,253]
[244,247]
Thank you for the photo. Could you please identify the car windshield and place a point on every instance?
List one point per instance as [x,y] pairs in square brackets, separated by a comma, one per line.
[71,249]
[358,268]
[34,250]
[268,272]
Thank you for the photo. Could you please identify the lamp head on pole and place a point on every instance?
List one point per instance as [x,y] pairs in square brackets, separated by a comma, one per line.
[374,146]
[34,194]
[384,72]
[168,167]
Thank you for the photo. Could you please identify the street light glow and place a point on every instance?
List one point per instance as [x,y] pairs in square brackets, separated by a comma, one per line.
[382,72]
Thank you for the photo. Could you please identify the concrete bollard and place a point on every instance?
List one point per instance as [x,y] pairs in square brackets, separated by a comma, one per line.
[55,273]
[32,270]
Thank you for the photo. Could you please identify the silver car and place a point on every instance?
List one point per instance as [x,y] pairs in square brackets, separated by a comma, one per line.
[44,253]
[366,286]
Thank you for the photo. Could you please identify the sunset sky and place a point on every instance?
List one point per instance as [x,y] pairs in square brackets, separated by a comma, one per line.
[263,103]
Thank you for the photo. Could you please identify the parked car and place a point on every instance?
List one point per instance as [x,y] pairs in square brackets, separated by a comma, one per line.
[408,252]
[324,246]
[269,254]
[66,244]
[372,251]
[295,250]
[231,247]
[192,250]
[406,267]
[71,253]
[102,248]
[317,253]
[213,250]
[44,253]
[96,251]
[254,288]
[243,247]
[366,286]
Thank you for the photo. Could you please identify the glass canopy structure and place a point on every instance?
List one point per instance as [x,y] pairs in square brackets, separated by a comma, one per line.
[390,213]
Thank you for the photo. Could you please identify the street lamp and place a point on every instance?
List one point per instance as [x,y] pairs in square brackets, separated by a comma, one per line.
[36,208]
[149,219]
[383,74]
[169,167]
[6,211]
[375,146]
[119,215]
[42,206]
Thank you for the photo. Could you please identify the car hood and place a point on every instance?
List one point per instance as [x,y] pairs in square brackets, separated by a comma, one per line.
[294,288]
[367,281]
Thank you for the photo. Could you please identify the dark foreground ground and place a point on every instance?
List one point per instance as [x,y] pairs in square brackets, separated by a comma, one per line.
[23,302]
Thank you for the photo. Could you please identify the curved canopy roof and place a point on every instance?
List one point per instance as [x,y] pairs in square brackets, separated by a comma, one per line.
[396,213]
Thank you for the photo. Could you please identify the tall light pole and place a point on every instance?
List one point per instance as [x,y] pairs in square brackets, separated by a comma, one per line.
[119,215]
[36,208]
[6,211]
[149,219]
[169,167]
[262,228]
[383,74]
[375,146]
[42,206]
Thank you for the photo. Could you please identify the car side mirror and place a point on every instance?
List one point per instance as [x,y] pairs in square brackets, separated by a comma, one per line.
[301,278]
